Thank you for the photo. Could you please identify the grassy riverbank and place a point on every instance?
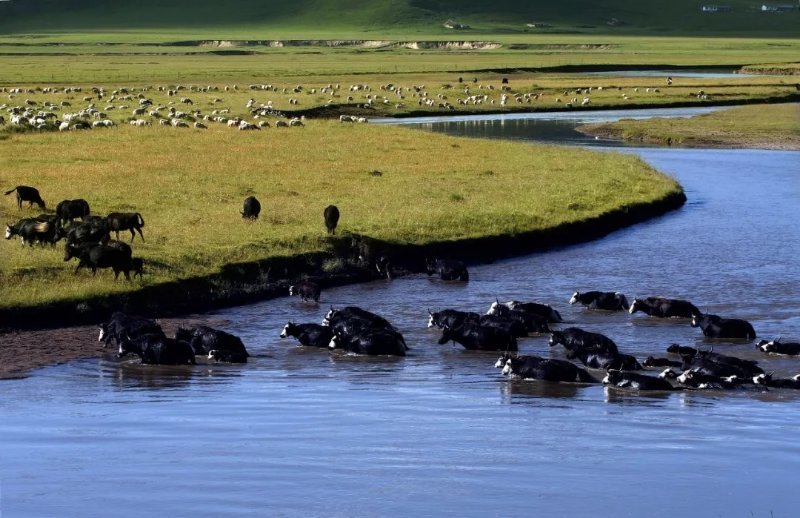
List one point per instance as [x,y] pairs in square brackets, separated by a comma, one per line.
[189,186]
[774,126]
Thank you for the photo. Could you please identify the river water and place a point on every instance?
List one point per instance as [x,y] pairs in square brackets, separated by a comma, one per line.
[299,432]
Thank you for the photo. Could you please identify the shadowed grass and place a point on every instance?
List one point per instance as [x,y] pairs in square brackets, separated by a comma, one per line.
[189,186]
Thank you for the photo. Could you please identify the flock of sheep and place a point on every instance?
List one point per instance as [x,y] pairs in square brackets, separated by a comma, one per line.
[184,106]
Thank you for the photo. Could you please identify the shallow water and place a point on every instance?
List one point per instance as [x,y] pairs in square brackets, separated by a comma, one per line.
[440,432]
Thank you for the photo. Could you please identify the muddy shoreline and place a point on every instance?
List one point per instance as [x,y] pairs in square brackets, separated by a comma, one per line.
[56,333]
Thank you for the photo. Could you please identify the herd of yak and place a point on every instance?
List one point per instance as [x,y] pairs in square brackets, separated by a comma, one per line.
[88,239]
[358,331]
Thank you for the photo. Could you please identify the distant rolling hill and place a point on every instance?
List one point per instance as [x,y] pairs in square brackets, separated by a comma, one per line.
[376,17]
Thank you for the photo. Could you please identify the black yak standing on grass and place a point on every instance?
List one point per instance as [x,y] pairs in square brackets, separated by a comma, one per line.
[331,218]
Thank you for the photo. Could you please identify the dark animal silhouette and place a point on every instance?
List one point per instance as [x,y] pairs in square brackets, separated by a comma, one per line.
[768,381]
[93,230]
[308,291]
[447,269]
[132,221]
[311,335]
[157,349]
[604,300]
[604,360]
[574,338]
[29,194]
[68,210]
[373,342]
[664,308]
[331,215]
[534,323]
[451,318]
[778,347]
[122,324]
[32,230]
[104,256]
[480,338]
[636,381]
[536,367]
[534,308]
[218,345]
[251,209]
[714,326]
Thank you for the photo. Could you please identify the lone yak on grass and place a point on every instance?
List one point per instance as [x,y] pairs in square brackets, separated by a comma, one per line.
[251,209]
[331,215]
[29,194]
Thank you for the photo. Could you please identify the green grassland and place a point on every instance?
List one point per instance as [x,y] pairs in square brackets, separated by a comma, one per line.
[36,61]
[189,186]
[772,127]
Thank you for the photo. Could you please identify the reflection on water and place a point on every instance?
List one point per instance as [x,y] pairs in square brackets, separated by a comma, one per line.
[298,432]
[551,128]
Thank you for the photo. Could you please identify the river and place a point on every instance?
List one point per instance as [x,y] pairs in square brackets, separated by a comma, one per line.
[299,432]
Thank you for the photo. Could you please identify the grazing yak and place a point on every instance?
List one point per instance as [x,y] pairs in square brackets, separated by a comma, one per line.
[664,308]
[310,335]
[218,345]
[251,209]
[103,256]
[29,194]
[714,326]
[92,230]
[308,291]
[331,215]
[68,210]
[126,221]
[603,300]
[32,230]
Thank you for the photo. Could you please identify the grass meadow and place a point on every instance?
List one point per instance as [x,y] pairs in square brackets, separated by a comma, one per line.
[70,58]
[189,186]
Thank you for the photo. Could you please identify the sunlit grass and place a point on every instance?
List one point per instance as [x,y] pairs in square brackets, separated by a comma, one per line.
[189,186]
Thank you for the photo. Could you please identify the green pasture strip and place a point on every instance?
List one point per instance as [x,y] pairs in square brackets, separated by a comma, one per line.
[92,62]
[402,94]
[771,126]
[189,186]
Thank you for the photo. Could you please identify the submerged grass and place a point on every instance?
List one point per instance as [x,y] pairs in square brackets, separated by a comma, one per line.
[774,126]
[189,186]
